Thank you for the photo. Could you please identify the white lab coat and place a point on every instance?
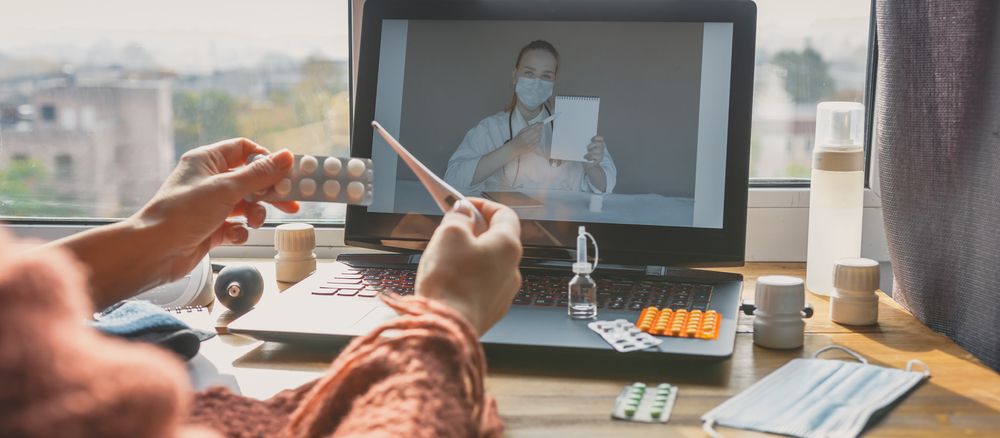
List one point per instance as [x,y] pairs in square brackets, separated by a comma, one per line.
[530,171]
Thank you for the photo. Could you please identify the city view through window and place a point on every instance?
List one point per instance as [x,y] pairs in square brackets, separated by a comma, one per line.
[99,99]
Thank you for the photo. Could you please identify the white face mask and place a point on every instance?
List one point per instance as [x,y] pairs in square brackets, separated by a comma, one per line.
[533,92]
[813,398]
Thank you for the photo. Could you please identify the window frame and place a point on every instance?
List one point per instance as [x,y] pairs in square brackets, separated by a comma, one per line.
[777,213]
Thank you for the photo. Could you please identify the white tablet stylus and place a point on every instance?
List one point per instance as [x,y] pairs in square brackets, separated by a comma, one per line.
[445,195]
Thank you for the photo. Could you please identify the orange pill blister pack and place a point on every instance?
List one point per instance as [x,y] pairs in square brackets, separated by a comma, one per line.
[679,323]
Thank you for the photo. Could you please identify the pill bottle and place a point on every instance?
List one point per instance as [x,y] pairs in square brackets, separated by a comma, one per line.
[778,308]
[836,191]
[295,244]
[853,301]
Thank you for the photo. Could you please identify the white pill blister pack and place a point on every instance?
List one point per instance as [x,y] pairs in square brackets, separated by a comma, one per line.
[322,179]
[624,335]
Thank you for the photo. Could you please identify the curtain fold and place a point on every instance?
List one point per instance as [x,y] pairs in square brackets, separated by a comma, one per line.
[938,94]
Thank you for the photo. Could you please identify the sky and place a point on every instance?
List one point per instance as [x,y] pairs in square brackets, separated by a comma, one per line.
[202,35]
[183,34]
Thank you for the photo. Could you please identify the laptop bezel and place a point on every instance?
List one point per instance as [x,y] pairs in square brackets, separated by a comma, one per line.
[620,243]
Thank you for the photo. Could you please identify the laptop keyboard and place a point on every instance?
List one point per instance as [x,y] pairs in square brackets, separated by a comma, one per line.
[536,290]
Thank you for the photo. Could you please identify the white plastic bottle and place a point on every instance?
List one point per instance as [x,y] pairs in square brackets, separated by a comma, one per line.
[295,244]
[836,192]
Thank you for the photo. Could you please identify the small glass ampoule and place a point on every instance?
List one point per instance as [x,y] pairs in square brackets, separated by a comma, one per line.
[582,288]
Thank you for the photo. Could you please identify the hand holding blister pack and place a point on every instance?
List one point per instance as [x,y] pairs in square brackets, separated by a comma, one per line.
[322,179]
[816,398]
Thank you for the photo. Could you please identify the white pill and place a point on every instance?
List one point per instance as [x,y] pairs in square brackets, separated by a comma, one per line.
[283,187]
[369,190]
[331,189]
[307,164]
[252,157]
[355,168]
[355,189]
[332,166]
[307,187]
[369,176]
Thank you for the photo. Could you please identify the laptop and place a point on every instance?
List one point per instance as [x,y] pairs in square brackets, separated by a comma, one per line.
[673,81]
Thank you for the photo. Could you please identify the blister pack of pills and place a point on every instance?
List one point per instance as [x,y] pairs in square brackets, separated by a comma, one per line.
[623,335]
[680,323]
[648,405]
[322,179]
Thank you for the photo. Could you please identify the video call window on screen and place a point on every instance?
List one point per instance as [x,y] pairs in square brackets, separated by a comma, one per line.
[470,106]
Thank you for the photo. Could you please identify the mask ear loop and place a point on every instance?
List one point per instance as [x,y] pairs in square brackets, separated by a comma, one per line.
[597,253]
[909,366]
[709,428]
[856,355]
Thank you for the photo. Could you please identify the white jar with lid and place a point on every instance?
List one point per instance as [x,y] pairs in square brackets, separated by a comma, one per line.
[853,301]
[295,244]
[778,308]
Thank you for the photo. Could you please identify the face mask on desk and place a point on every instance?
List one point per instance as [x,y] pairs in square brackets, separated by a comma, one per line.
[816,398]
[533,92]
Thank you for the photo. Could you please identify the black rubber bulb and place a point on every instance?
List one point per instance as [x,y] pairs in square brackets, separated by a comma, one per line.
[239,288]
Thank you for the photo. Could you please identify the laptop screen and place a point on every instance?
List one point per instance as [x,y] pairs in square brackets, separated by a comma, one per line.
[623,124]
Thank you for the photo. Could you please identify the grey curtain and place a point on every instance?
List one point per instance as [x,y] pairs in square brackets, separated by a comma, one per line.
[939,151]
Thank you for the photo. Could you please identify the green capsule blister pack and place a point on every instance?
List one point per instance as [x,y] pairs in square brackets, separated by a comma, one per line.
[644,404]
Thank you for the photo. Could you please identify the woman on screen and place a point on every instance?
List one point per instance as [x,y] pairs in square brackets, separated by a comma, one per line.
[510,149]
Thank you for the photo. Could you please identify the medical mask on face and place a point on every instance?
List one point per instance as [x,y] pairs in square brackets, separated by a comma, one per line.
[533,92]
[816,398]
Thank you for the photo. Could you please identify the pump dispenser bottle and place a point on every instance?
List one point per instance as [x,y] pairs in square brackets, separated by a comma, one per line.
[582,288]
[836,192]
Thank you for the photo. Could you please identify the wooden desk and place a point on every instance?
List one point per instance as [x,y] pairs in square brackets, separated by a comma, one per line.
[962,397]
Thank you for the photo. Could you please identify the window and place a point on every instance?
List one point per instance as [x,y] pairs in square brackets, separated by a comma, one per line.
[111,100]
[807,52]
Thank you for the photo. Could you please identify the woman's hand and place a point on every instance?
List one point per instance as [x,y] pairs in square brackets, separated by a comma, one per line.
[595,152]
[526,141]
[477,276]
[186,218]
[192,205]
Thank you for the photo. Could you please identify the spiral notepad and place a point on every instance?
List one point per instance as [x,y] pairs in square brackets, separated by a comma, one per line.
[576,125]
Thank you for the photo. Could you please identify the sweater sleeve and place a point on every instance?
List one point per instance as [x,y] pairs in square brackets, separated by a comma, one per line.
[420,375]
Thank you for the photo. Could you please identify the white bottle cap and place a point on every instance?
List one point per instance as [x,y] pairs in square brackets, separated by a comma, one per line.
[295,238]
[295,259]
[780,295]
[856,274]
[839,137]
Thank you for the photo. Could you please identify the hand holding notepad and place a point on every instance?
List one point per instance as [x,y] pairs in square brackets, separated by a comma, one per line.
[576,126]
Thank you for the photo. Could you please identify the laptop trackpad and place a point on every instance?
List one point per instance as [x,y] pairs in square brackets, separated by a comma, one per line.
[373,319]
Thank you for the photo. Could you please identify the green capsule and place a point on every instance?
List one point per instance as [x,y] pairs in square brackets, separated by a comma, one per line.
[660,398]
[663,386]
[639,385]
[659,405]
[655,413]
[630,410]
[635,397]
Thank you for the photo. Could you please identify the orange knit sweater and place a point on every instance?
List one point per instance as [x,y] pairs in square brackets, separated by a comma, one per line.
[61,378]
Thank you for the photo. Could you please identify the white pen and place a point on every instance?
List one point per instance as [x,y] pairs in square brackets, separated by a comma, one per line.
[445,195]
[550,118]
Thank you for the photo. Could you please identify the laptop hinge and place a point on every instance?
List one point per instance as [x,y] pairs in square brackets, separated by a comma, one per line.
[656,270]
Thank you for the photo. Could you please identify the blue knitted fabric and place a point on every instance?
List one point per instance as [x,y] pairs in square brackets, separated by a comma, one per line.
[133,318]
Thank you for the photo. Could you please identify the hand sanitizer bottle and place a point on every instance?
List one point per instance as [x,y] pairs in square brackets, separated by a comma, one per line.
[836,192]
[582,289]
